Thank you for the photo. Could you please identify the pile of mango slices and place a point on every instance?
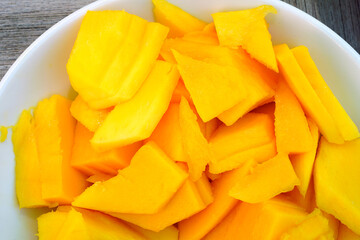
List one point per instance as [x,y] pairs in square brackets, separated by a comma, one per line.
[188,130]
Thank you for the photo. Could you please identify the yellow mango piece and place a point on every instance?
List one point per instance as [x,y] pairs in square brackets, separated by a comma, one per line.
[291,127]
[261,221]
[206,36]
[346,126]
[54,133]
[306,95]
[186,202]
[50,224]
[346,234]
[197,226]
[266,181]
[208,84]
[195,145]
[99,177]
[315,225]
[336,171]
[303,163]
[3,133]
[137,118]
[252,136]
[87,116]
[27,165]
[248,29]
[136,189]
[73,227]
[112,55]
[167,134]
[169,233]
[179,21]
[86,159]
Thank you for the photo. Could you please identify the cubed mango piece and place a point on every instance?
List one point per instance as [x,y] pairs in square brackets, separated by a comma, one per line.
[336,173]
[136,119]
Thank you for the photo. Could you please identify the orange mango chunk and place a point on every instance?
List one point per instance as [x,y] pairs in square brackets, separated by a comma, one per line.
[167,134]
[178,21]
[266,180]
[27,165]
[303,163]
[213,88]
[54,133]
[291,127]
[347,127]
[248,29]
[87,116]
[169,233]
[73,227]
[112,55]
[261,221]
[186,202]
[314,226]
[336,173]
[136,189]
[195,145]
[50,224]
[87,160]
[252,136]
[306,95]
[197,226]
[123,125]
[346,234]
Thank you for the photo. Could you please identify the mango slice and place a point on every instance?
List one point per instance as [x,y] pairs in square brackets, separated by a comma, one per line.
[346,234]
[250,137]
[123,125]
[208,84]
[169,233]
[50,224]
[136,189]
[291,127]
[262,221]
[178,21]
[248,29]
[197,226]
[336,170]
[112,55]
[27,165]
[186,202]
[306,95]
[73,227]
[315,225]
[167,134]
[347,127]
[303,163]
[266,180]
[86,159]
[54,133]
[195,145]
[90,118]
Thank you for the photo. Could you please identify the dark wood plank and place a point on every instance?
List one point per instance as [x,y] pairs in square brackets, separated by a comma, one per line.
[22,21]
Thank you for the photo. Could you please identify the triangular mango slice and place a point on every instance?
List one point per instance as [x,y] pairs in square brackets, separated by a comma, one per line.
[248,29]
[291,127]
[144,187]
[74,227]
[213,88]
[136,119]
[179,21]
[266,181]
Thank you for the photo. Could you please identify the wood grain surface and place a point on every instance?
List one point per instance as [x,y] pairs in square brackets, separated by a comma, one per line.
[22,21]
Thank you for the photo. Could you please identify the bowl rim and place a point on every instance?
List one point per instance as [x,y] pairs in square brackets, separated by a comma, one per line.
[78,13]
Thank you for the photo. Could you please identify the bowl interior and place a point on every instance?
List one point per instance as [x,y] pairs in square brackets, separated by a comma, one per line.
[40,71]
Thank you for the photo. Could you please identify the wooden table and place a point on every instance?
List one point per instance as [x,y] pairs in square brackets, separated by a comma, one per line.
[22,21]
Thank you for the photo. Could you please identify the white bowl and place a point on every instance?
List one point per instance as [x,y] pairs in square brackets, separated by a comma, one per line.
[40,71]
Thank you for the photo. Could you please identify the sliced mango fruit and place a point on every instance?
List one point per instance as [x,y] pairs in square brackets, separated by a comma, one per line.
[178,21]
[136,189]
[123,125]
[248,29]
[336,170]
[112,55]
